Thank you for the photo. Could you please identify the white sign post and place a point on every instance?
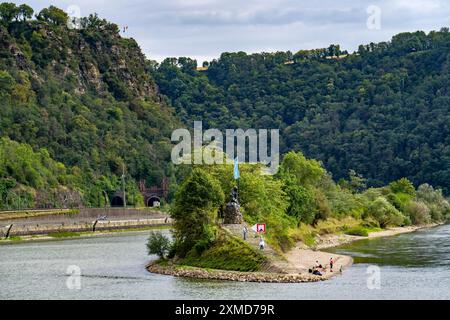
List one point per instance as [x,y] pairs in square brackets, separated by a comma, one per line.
[259,228]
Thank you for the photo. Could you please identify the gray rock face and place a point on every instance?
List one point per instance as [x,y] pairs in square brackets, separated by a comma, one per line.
[233,213]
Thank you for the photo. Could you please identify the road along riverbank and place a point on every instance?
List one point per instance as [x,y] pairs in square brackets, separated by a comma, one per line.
[86,220]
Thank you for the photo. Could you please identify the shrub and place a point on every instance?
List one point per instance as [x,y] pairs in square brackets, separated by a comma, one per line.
[403,186]
[158,244]
[358,231]
[418,212]
[435,201]
[384,212]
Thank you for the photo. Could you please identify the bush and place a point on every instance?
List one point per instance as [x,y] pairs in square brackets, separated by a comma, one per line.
[403,186]
[434,200]
[384,212]
[358,231]
[418,212]
[158,244]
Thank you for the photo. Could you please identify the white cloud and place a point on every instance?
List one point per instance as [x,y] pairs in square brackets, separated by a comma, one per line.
[203,29]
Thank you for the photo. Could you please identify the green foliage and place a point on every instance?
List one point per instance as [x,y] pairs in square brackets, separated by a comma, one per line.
[418,212]
[382,111]
[301,203]
[227,253]
[434,199]
[53,15]
[8,11]
[158,244]
[64,234]
[304,171]
[358,231]
[194,210]
[87,98]
[384,212]
[403,186]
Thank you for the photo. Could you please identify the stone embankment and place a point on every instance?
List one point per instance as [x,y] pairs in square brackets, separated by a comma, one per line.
[88,220]
[210,274]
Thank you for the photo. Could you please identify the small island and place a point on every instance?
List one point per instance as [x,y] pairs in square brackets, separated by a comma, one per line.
[304,210]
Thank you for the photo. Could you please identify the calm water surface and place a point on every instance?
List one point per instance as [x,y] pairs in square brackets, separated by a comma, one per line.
[412,266]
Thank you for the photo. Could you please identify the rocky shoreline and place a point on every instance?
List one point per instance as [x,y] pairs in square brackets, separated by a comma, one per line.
[299,258]
[210,274]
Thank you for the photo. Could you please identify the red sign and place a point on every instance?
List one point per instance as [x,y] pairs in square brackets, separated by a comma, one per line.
[261,228]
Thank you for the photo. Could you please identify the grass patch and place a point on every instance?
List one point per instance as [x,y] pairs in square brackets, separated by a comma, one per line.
[361,230]
[357,231]
[15,238]
[64,234]
[334,226]
[227,253]
[9,215]
[305,234]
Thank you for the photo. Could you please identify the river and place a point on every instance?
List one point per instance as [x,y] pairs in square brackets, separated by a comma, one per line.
[411,266]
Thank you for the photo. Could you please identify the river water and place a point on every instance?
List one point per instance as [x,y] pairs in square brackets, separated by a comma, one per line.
[408,266]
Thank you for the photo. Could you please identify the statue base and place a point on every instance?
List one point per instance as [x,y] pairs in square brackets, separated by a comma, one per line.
[233,214]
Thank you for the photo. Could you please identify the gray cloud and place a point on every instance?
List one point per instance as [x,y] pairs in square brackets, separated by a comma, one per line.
[203,29]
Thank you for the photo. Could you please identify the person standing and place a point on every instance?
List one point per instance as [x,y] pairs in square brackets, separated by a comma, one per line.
[261,243]
[245,232]
[331,264]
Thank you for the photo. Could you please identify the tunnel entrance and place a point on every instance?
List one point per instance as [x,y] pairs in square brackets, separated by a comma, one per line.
[117,202]
[153,202]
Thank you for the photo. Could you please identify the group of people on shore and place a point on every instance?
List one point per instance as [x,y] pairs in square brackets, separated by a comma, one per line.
[318,268]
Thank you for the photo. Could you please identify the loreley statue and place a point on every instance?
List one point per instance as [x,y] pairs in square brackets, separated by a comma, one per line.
[233,213]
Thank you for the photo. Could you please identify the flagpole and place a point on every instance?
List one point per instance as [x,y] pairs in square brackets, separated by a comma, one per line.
[239,190]
[237,176]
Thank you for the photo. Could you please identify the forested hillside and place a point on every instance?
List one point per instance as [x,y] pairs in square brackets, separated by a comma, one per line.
[84,95]
[78,105]
[383,111]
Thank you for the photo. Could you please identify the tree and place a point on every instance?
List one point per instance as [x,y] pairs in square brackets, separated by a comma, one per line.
[6,82]
[384,212]
[418,212]
[301,202]
[8,11]
[53,15]
[158,244]
[403,185]
[357,183]
[304,171]
[194,210]
[26,12]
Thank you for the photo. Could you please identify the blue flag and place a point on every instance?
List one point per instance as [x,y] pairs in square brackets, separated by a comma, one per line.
[237,175]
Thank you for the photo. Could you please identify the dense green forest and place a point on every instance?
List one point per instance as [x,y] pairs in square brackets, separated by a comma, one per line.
[79,105]
[84,95]
[383,111]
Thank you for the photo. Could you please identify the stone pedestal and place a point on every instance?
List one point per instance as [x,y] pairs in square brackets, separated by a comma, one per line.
[233,213]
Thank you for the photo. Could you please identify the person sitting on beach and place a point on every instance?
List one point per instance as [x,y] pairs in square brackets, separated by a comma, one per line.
[316,272]
[318,265]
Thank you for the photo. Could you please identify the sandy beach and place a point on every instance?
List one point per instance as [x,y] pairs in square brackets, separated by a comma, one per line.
[302,258]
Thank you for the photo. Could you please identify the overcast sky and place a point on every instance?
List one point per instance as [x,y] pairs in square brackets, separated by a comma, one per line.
[203,29]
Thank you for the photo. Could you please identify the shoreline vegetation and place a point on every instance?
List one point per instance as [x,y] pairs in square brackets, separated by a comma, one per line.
[294,267]
[305,211]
